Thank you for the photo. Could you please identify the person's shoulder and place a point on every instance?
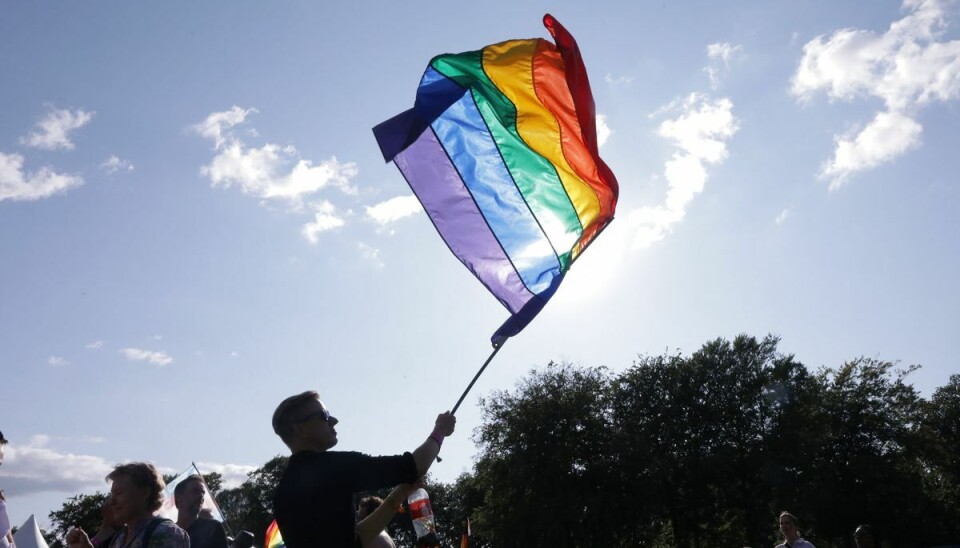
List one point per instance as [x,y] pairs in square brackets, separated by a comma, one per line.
[305,457]
[168,535]
[209,523]
[803,543]
[167,527]
[382,540]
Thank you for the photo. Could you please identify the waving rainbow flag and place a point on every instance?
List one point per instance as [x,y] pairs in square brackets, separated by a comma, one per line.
[273,538]
[501,150]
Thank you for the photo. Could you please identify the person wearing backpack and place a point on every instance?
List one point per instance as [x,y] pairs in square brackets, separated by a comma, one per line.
[135,494]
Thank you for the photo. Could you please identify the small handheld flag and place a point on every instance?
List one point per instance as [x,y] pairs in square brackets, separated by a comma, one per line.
[273,538]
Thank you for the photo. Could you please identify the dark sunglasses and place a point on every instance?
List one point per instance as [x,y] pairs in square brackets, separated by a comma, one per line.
[323,414]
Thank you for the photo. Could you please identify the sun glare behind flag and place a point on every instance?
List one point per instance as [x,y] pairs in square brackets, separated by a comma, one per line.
[501,150]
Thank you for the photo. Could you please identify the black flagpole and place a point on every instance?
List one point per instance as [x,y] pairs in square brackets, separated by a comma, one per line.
[496,348]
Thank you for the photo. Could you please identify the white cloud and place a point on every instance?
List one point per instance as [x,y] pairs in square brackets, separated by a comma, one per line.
[370,253]
[219,122]
[92,439]
[603,130]
[270,172]
[700,133]
[157,337]
[721,55]
[114,164]
[95,345]
[53,131]
[33,468]
[906,67]
[888,135]
[325,218]
[782,216]
[57,361]
[155,357]
[621,80]
[394,209]
[233,474]
[234,354]
[17,185]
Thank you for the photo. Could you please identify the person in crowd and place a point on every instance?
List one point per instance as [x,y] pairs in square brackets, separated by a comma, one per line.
[6,531]
[109,526]
[374,514]
[136,493]
[865,537]
[791,532]
[313,503]
[367,506]
[244,540]
[204,532]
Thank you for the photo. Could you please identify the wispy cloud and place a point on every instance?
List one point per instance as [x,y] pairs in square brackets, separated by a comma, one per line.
[394,209]
[782,216]
[95,345]
[233,474]
[33,467]
[53,130]
[57,361]
[603,130]
[18,185]
[720,56]
[159,358]
[700,132]
[217,125]
[113,164]
[370,253]
[325,219]
[907,67]
[618,80]
[888,135]
[274,172]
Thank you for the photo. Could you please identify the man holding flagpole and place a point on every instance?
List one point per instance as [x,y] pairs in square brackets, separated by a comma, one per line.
[313,504]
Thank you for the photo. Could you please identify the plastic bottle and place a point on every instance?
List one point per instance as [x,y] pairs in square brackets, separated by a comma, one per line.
[422,516]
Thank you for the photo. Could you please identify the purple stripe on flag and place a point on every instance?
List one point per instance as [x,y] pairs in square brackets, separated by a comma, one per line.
[450,206]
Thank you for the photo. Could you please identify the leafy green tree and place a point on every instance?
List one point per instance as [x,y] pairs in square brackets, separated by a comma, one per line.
[692,437]
[943,481]
[869,467]
[250,506]
[544,464]
[80,511]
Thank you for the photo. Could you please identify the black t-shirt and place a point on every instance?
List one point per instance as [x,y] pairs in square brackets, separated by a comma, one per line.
[207,533]
[313,504]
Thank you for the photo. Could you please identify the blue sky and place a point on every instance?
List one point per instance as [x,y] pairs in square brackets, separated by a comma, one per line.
[195,221]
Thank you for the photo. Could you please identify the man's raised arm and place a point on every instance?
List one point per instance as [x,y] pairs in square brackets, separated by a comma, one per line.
[428,450]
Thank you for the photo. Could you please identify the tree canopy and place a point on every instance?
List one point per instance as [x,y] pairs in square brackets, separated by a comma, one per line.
[687,451]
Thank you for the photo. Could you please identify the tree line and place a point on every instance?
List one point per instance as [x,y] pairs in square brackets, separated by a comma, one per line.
[686,451]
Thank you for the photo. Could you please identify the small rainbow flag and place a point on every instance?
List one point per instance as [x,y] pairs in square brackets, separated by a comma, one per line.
[501,149]
[273,538]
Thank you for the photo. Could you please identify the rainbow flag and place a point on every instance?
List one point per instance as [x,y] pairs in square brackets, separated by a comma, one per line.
[273,538]
[465,539]
[501,150]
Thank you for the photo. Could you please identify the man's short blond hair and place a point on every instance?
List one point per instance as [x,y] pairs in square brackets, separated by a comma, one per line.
[289,412]
[145,475]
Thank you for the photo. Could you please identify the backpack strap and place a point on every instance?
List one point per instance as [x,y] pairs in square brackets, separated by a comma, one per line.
[151,527]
